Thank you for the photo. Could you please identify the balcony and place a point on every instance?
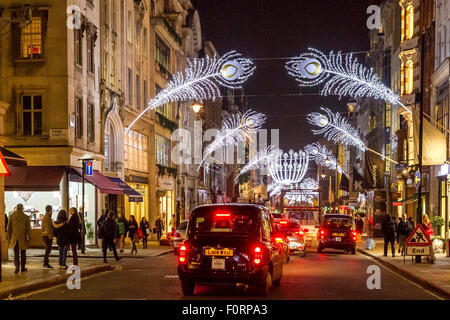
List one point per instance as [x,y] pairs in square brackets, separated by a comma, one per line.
[165,27]
[163,71]
[166,123]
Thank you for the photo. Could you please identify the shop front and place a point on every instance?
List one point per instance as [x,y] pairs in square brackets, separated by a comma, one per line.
[166,200]
[136,199]
[443,189]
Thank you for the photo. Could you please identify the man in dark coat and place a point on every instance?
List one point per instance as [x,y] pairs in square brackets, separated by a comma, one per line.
[110,234]
[18,232]
[389,228]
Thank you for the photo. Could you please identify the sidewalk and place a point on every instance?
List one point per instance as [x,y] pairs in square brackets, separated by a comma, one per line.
[90,263]
[431,276]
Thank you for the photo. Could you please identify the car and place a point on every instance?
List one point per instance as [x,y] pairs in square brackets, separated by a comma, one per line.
[337,231]
[230,244]
[277,215]
[281,239]
[295,235]
[307,222]
[180,236]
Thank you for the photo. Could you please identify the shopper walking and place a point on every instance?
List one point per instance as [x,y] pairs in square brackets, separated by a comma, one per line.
[122,224]
[109,236]
[47,235]
[159,226]
[133,233]
[60,232]
[173,223]
[389,229]
[18,233]
[402,234]
[74,233]
[145,228]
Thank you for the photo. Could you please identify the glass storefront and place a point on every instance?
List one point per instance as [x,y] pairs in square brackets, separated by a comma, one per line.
[75,200]
[166,209]
[137,209]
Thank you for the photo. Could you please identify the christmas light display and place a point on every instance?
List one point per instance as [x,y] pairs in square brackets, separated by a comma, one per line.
[343,76]
[288,168]
[234,130]
[335,128]
[322,156]
[201,79]
[259,161]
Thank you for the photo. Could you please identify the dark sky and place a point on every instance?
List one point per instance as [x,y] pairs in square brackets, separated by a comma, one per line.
[285,28]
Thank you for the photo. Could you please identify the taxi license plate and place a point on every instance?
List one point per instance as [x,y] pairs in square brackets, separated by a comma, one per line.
[218,264]
[338,239]
[338,234]
[219,252]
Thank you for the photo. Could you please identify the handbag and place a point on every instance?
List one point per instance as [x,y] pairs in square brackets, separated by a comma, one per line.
[147,231]
[140,234]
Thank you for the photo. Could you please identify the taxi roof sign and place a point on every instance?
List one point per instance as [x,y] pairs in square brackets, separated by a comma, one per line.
[4,170]
[418,237]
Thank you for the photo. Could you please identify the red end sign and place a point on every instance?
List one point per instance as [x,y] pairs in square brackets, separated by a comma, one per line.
[418,237]
[4,170]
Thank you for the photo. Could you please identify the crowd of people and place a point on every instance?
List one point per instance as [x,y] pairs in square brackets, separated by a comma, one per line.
[112,229]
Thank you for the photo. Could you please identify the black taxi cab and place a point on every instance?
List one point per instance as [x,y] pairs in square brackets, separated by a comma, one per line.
[230,244]
[337,231]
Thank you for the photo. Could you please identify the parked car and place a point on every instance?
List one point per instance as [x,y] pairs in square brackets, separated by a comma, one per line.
[230,244]
[180,236]
[337,231]
[295,235]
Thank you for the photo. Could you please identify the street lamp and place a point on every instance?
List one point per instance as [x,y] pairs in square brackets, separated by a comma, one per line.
[196,107]
[85,159]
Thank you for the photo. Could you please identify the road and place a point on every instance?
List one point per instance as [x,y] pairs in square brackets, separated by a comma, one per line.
[332,275]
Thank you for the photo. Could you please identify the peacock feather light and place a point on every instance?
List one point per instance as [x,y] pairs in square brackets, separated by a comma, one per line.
[259,161]
[288,168]
[322,156]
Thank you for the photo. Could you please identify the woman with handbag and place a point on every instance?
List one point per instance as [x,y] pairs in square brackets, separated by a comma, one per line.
[133,233]
[145,228]
[74,233]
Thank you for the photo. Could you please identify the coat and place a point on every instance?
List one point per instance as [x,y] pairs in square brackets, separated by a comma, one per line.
[389,228]
[133,228]
[19,230]
[70,232]
[144,226]
[109,229]
[47,226]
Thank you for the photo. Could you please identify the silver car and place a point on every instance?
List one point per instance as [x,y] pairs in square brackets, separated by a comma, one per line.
[180,236]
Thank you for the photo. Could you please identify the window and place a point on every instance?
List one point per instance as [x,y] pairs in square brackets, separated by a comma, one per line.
[138,92]
[136,151]
[31,39]
[91,123]
[130,26]
[110,151]
[145,94]
[388,115]
[78,47]
[162,151]
[409,22]
[165,109]
[130,87]
[162,53]
[78,118]
[210,221]
[90,53]
[409,77]
[31,115]
[145,49]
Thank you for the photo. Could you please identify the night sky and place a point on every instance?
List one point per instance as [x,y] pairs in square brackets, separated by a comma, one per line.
[285,28]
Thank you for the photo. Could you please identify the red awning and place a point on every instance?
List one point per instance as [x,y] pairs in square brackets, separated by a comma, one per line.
[34,178]
[97,179]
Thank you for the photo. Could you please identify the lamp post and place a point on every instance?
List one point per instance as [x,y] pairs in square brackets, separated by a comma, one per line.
[84,160]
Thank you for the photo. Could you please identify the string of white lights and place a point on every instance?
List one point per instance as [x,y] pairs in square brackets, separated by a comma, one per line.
[288,168]
[259,161]
[322,156]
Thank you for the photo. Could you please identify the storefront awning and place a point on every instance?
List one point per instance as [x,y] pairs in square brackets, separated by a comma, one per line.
[34,178]
[97,179]
[133,195]
[12,159]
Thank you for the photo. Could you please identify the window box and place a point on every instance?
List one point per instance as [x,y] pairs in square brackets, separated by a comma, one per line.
[166,123]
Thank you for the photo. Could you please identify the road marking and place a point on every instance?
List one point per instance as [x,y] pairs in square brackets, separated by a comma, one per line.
[171,277]
[28,294]
[400,276]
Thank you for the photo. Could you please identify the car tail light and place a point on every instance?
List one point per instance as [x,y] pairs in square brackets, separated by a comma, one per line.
[322,233]
[353,235]
[222,214]
[257,259]
[283,222]
[300,233]
[182,254]
[279,240]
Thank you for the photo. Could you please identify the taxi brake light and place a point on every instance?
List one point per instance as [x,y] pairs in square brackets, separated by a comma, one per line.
[279,240]
[182,254]
[258,256]
[283,222]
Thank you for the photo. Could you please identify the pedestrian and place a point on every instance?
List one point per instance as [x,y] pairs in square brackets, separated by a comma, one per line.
[402,234]
[359,225]
[60,232]
[411,224]
[133,233]
[109,235]
[145,228]
[389,230]
[159,226]
[426,224]
[122,224]
[173,223]
[6,222]
[47,235]
[19,234]
[74,233]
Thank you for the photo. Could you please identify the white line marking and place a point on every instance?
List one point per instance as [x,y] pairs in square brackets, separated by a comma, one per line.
[400,276]
[171,277]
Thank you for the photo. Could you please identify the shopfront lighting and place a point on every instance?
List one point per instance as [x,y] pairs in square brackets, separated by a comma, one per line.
[196,107]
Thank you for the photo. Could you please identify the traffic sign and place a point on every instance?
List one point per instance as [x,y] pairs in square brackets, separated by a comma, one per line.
[418,237]
[4,170]
[417,250]
[89,168]
[417,179]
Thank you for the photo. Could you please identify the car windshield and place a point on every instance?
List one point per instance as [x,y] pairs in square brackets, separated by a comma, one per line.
[182,226]
[222,221]
[338,222]
[305,218]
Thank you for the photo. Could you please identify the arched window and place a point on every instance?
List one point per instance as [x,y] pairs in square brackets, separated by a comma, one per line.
[110,152]
[409,27]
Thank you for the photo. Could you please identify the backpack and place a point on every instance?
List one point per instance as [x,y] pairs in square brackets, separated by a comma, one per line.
[100,224]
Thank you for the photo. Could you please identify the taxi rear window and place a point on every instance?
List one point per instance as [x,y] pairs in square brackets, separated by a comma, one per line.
[337,222]
[288,226]
[222,222]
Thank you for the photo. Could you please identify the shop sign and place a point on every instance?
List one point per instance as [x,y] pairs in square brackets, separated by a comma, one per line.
[58,134]
[166,183]
[396,204]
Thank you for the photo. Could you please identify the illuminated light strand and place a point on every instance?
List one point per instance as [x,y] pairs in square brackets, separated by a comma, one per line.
[335,128]
[322,156]
[288,168]
[259,161]
[234,130]
[201,79]
[343,76]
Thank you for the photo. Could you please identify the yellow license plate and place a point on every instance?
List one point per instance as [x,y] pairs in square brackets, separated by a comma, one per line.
[338,234]
[219,252]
